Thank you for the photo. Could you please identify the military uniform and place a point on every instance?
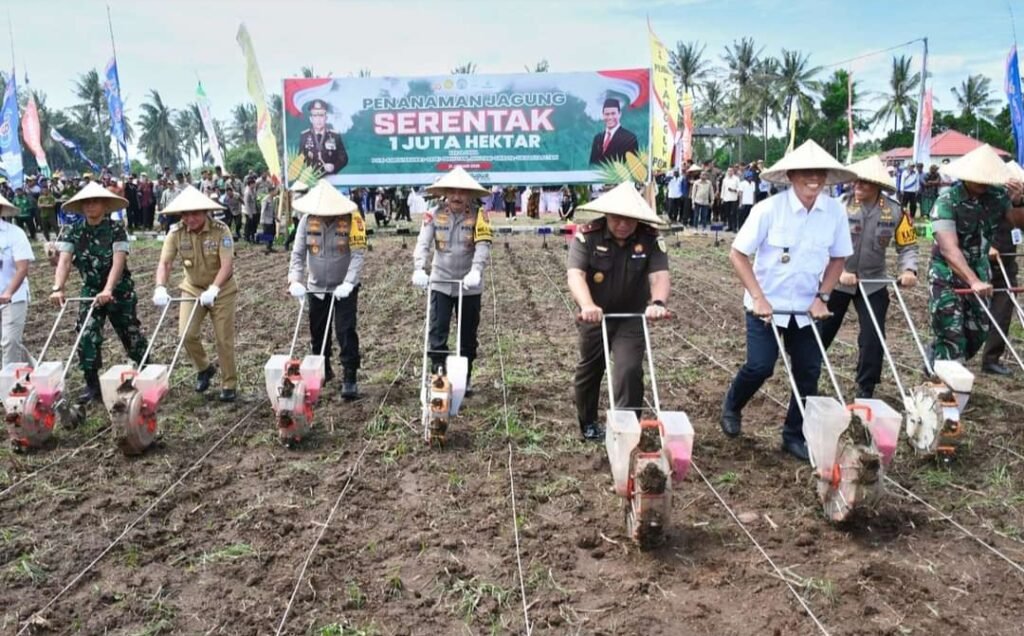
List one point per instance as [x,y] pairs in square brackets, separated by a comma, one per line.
[462,242]
[325,152]
[873,228]
[92,248]
[331,250]
[201,254]
[47,204]
[617,277]
[959,325]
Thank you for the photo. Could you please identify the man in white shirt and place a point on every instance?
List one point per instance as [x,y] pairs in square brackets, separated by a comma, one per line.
[910,187]
[748,192]
[675,196]
[730,198]
[799,239]
[15,255]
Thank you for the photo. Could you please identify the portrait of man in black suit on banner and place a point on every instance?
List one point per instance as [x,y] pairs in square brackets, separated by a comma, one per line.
[614,141]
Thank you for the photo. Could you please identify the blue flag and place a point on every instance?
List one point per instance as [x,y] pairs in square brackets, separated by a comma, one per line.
[72,146]
[10,137]
[112,87]
[1016,100]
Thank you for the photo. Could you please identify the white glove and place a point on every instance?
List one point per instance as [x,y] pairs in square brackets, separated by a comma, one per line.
[420,279]
[472,279]
[207,297]
[297,290]
[160,296]
[343,290]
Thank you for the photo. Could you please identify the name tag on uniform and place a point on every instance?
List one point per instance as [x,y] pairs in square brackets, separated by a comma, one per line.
[1016,236]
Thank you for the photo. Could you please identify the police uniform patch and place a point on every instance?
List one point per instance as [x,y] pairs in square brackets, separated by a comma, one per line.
[226,241]
[598,277]
[661,244]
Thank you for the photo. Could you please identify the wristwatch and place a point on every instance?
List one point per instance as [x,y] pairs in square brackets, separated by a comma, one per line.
[56,288]
[660,303]
[824,296]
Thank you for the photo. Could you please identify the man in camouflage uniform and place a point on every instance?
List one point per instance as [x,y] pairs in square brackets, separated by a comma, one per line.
[964,220]
[98,248]
[461,236]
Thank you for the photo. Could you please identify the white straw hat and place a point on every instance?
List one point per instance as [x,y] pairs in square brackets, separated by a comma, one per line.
[299,186]
[623,200]
[981,165]
[809,156]
[7,208]
[873,171]
[93,190]
[191,200]
[325,200]
[457,179]
[1016,172]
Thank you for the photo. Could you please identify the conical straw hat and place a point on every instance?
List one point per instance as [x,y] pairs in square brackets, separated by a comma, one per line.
[299,186]
[93,190]
[457,179]
[873,171]
[325,200]
[7,208]
[623,200]
[981,165]
[191,200]
[809,156]
[1016,171]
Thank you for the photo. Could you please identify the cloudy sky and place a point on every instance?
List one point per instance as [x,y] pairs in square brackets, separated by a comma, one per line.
[167,45]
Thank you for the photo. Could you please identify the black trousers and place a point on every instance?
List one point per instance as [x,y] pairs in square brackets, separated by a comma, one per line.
[626,345]
[345,310]
[741,218]
[909,201]
[1002,310]
[251,225]
[729,209]
[869,346]
[148,216]
[510,209]
[675,208]
[442,308]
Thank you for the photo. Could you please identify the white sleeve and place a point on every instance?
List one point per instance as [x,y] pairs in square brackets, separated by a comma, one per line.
[755,230]
[21,250]
[842,244]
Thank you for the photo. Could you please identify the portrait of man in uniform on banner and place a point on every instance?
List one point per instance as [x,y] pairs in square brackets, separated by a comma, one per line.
[612,143]
[322,147]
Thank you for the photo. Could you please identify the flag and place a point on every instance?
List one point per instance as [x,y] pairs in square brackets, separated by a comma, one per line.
[211,132]
[687,137]
[923,125]
[793,111]
[30,132]
[10,146]
[1013,95]
[112,88]
[254,80]
[665,109]
[849,117]
[72,146]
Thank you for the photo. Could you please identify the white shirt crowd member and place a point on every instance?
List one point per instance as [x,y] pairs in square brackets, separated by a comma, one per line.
[15,256]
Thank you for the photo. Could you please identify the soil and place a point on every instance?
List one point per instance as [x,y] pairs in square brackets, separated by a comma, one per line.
[213,531]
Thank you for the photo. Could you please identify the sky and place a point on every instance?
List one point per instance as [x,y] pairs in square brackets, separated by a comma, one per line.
[166,46]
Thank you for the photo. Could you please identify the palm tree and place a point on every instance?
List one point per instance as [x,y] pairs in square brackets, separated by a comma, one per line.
[307,71]
[742,61]
[540,67]
[796,82]
[901,101]
[189,123]
[974,98]
[243,124]
[159,139]
[465,69]
[687,63]
[89,89]
[765,96]
[363,72]
[713,106]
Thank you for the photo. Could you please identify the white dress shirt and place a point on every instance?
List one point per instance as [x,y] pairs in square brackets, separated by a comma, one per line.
[730,188]
[778,227]
[14,246]
[746,192]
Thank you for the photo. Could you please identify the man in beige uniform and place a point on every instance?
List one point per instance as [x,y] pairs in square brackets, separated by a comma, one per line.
[207,254]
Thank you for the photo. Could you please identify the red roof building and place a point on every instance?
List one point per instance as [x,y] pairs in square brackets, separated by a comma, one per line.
[946,145]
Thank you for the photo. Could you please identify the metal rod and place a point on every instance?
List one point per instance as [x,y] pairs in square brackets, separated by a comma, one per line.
[1008,290]
[298,323]
[458,326]
[152,336]
[78,340]
[426,358]
[56,322]
[913,330]
[181,340]
[327,330]
[789,368]
[999,330]
[650,364]
[608,356]
[828,363]
[881,337]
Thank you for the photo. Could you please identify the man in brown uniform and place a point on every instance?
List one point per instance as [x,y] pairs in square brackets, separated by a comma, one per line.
[617,264]
[207,254]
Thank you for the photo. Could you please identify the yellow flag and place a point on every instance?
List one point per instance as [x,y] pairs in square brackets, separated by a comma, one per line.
[482,231]
[254,81]
[664,106]
[357,232]
[792,126]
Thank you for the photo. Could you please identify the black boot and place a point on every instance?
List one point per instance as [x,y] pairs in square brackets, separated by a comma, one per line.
[91,392]
[469,380]
[203,378]
[349,388]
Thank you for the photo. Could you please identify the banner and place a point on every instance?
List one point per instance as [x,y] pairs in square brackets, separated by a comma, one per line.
[849,117]
[254,81]
[687,126]
[211,131]
[31,133]
[550,128]
[10,146]
[665,107]
[923,128]
[112,89]
[73,147]
[1016,100]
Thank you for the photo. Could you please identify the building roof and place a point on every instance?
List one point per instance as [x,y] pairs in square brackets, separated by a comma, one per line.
[950,143]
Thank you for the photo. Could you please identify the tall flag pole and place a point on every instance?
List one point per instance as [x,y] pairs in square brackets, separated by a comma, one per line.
[254,81]
[31,131]
[211,132]
[849,116]
[112,88]
[10,146]
[793,111]
[923,125]
[665,110]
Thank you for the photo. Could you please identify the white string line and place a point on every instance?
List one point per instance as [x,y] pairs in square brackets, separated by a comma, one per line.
[67,455]
[508,438]
[337,502]
[143,515]
[757,545]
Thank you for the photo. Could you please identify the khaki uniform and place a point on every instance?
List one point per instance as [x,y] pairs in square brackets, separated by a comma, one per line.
[201,254]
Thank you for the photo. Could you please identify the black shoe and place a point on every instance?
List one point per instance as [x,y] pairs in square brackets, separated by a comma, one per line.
[91,392]
[994,368]
[227,395]
[797,449]
[349,388]
[203,378]
[732,421]
[592,432]
[865,392]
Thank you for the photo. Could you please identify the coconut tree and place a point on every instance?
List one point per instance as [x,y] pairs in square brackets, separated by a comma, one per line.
[189,123]
[900,101]
[159,138]
[688,65]
[741,60]
[88,89]
[974,98]
[765,96]
[540,67]
[243,124]
[796,83]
